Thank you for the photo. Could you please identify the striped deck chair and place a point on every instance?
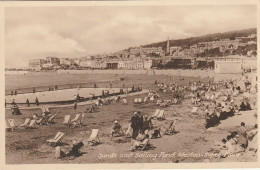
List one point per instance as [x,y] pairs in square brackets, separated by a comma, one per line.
[125,101]
[161,115]
[12,124]
[27,120]
[31,125]
[57,139]
[50,119]
[67,120]
[94,137]
[43,120]
[156,113]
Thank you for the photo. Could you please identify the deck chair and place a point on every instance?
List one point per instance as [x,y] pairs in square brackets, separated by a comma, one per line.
[161,115]
[12,124]
[7,128]
[139,100]
[43,120]
[39,121]
[152,98]
[97,103]
[212,97]
[31,125]
[124,101]
[129,132]
[175,113]
[67,120]
[35,117]
[94,138]
[76,118]
[145,145]
[195,110]
[135,101]
[145,99]
[57,139]
[45,110]
[27,120]
[156,113]
[50,119]
[75,121]
[81,119]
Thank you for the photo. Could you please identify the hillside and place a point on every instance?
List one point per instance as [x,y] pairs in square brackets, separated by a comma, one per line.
[186,43]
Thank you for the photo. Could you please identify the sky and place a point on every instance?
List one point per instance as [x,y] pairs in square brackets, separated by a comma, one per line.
[37,32]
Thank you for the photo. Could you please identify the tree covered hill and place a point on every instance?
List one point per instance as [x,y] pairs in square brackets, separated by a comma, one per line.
[186,43]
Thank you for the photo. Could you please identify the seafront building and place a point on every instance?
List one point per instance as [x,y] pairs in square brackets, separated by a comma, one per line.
[195,56]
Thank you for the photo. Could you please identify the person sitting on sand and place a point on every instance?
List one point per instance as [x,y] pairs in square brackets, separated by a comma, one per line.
[74,150]
[218,146]
[92,108]
[117,130]
[156,132]
[37,103]
[245,106]
[227,148]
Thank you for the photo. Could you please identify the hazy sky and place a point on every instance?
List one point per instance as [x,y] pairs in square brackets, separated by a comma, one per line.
[37,32]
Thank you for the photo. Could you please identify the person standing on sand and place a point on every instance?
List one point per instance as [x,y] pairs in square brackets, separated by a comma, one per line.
[28,103]
[134,125]
[242,139]
[75,105]
[37,103]
[13,102]
[140,122]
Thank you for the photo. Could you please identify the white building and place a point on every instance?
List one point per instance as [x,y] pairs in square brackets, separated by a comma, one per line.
[148,64]
[86,63]
[121,65]
[228,66]
[65,61]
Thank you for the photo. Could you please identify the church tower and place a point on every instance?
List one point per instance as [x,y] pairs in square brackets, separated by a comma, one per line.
[168,46]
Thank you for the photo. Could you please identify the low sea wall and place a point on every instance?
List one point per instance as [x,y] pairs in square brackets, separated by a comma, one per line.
[189,73]
[185,73]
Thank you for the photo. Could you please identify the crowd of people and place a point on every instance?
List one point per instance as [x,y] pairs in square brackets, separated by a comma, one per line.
[216,100]
[238,141]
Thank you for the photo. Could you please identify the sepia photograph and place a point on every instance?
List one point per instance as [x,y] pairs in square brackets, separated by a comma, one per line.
[99,84]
